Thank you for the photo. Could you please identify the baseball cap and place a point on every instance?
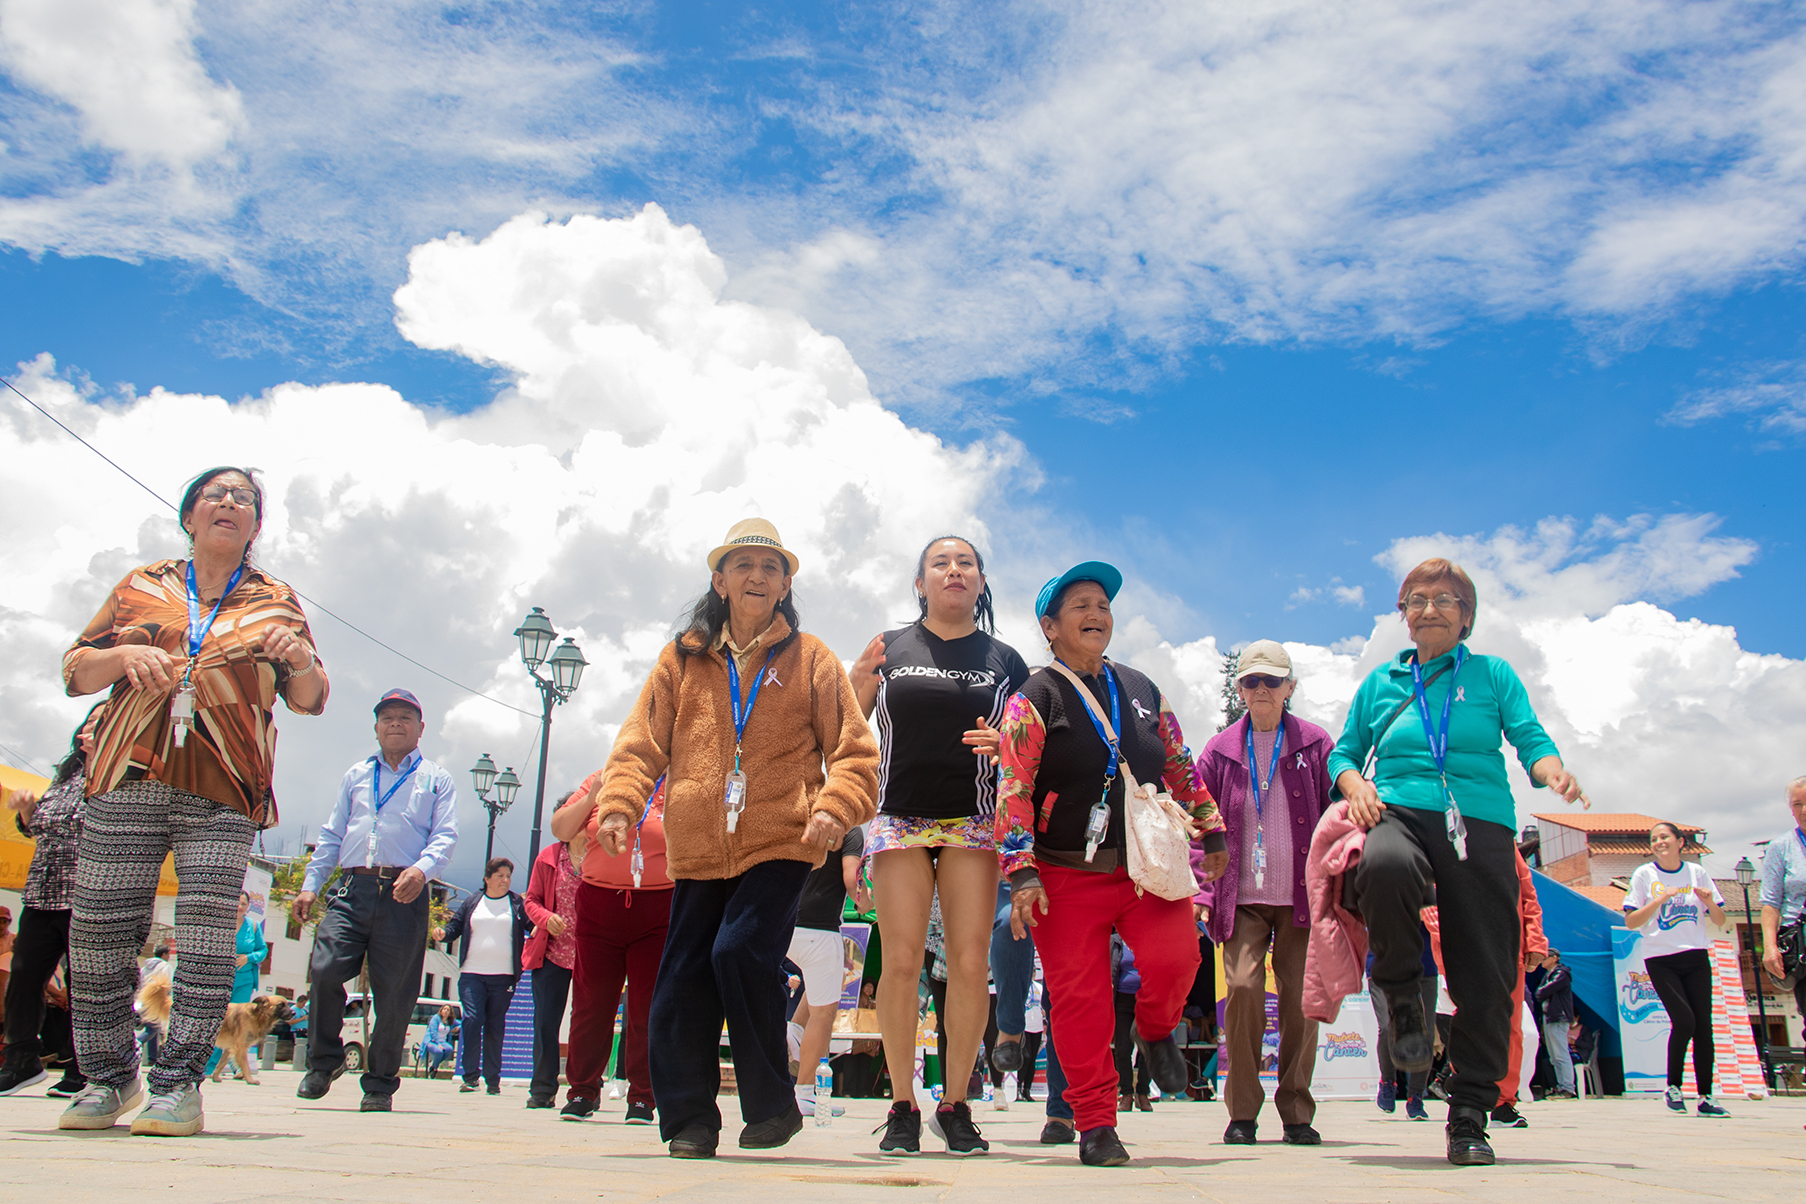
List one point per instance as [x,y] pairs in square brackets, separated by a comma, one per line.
[1105,575]
[399,695]
[1263,656]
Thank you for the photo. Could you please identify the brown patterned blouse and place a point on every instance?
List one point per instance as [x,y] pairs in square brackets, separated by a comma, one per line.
[230,754]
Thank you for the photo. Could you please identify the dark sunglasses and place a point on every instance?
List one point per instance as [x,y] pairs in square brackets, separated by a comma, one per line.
[1256,680]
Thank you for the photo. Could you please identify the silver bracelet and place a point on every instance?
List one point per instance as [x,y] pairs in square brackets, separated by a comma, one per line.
[312,664]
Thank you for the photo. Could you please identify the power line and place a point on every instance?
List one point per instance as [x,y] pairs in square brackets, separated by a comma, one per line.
[320,606]
[24,760]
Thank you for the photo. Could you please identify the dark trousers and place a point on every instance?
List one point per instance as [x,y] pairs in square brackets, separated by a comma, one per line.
[39,944]
[551,987]
[484,999]
[620,940]
[1414,1084]
[1131,1072]
[364,927]
[1406,854]
[1683,982]
[724,953]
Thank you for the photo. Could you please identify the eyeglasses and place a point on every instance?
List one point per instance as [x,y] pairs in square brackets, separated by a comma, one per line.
[1416,604]
[1255,681]
[219,493]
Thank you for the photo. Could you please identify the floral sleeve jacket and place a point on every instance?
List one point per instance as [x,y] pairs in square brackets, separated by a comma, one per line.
[1053,771]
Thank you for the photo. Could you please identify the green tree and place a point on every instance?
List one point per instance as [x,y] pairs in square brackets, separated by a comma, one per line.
[1232,699]
[286,882]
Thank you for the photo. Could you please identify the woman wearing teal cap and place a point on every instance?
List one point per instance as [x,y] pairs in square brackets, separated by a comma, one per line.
[1442,827]
[1062,839]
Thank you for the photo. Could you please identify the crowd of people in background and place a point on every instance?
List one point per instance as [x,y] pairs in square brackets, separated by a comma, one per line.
[1047,860]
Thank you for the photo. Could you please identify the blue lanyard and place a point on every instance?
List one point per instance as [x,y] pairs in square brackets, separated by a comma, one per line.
[648,808]
[1279,743]
[377,798]
[1439,741]
[197,631]
[1115,724]
[741,715]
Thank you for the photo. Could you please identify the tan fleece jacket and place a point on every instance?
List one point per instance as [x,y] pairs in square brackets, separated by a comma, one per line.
[804,722]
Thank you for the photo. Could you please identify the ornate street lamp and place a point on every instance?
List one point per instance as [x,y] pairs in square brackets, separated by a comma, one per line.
[1746,875]
[537,636]
[505,785]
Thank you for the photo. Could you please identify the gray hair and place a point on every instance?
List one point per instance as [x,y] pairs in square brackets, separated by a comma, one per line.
[1798,783]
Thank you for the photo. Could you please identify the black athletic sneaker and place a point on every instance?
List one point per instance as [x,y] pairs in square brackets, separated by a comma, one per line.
[577,1109]
[957,1130]
[1467,1138]
[67,1087]
[902,1130]
[1509,1117]
[14,1078]
[639,1114]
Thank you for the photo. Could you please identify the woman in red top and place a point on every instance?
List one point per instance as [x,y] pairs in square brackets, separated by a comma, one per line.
[551,951]
[623,908]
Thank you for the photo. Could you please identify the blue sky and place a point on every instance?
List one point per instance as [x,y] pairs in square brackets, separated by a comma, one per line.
[1253,299]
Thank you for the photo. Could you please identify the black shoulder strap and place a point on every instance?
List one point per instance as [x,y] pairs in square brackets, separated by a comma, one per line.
[1373,753]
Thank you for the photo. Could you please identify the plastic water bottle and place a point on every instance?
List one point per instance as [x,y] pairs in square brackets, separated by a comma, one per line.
[824,1095]
[989,1094]
[1007,1091]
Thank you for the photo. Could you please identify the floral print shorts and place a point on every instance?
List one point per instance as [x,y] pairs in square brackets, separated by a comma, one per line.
[904,832]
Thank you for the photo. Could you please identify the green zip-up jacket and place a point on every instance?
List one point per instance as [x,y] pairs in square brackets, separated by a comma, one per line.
[1490,708]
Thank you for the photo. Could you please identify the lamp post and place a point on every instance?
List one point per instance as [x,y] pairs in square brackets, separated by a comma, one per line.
[536,636]
[506,786]
[1746,874]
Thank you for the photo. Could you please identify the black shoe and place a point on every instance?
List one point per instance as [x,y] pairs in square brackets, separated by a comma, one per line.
[1057,1132]
[1165,1062]
[957,1130]
[639,1114]
[1302,1135]
[69,1086]
[1099,1147]
[697,1142]
[577,1109]
[315,1084]
[1467,1138]
[1239,1132]
[770,1134]
[541,1101]
[1006,1056]
[1508,1116]
[1412,1050]
[467,1085]
[18,1078]
[495,1088]
[375,1103]
[902,1130]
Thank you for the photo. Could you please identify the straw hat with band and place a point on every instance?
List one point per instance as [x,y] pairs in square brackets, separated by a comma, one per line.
[753,533]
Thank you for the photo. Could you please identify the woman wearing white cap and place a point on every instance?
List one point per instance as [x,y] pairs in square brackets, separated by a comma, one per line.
[1062,837]
[1269,773]
[767,762]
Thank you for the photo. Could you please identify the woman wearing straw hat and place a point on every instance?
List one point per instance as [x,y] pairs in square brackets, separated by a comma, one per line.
[767,762]
[1062,839]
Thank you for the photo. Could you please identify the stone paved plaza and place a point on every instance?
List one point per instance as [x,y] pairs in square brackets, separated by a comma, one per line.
[264,1144]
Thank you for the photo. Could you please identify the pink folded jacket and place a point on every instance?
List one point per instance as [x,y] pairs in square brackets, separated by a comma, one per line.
[1336,959]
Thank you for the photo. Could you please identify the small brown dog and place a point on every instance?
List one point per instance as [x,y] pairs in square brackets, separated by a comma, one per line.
[246,1024]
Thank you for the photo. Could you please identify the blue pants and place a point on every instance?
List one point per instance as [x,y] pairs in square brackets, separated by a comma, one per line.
[435,1054]
[1057,1107]
[485,999]
[1012,965]
[724,953]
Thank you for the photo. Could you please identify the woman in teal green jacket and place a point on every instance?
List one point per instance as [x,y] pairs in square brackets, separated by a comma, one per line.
[252,949]
[1442,830]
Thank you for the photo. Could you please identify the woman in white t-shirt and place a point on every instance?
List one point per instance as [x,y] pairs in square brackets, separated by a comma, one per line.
[1669,902]
[491,928]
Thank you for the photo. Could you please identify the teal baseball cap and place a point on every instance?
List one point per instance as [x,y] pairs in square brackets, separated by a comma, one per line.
[1105,575]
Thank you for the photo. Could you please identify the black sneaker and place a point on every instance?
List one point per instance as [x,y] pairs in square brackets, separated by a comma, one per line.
[495,1088]
[1509,1116]
[541,1101]
[903,1130]
[577,1108]
[1058,1132]
[1467,1138]
[770,1134]
[639,1114]
[957,1130]
[1239,1132]
[1165,1062]
[1301,1135]
[1412,1051]
[375,1103]
[18,1078]
[696,1141]
[69,1086]
[1100,1147]
[315,1084]
[1007,1056]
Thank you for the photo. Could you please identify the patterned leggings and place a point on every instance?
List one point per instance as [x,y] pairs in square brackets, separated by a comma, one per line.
[125,834]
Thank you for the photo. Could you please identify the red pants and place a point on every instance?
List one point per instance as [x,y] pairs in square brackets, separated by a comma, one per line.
[1514,1061]
[1074,941]
[620,937]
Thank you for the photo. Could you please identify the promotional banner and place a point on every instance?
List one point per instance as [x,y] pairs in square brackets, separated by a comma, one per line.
[1348,1065]
[257,885]
[1643,1024]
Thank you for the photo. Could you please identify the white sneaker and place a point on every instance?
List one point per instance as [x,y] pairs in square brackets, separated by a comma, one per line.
[171,1114]
[98,1106]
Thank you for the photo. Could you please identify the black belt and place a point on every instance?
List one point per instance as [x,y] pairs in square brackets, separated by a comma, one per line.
[377,871]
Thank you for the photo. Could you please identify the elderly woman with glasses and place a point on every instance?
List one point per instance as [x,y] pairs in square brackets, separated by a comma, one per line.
[1269,772]
[1062,840]
[194,653]
[1441,827]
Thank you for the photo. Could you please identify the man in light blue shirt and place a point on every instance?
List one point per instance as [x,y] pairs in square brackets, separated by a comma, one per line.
[1784,888]
[394,826]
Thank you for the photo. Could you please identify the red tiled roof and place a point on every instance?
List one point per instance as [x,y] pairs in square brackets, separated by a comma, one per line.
[1615,823]
[1608,846]
[1608,896]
